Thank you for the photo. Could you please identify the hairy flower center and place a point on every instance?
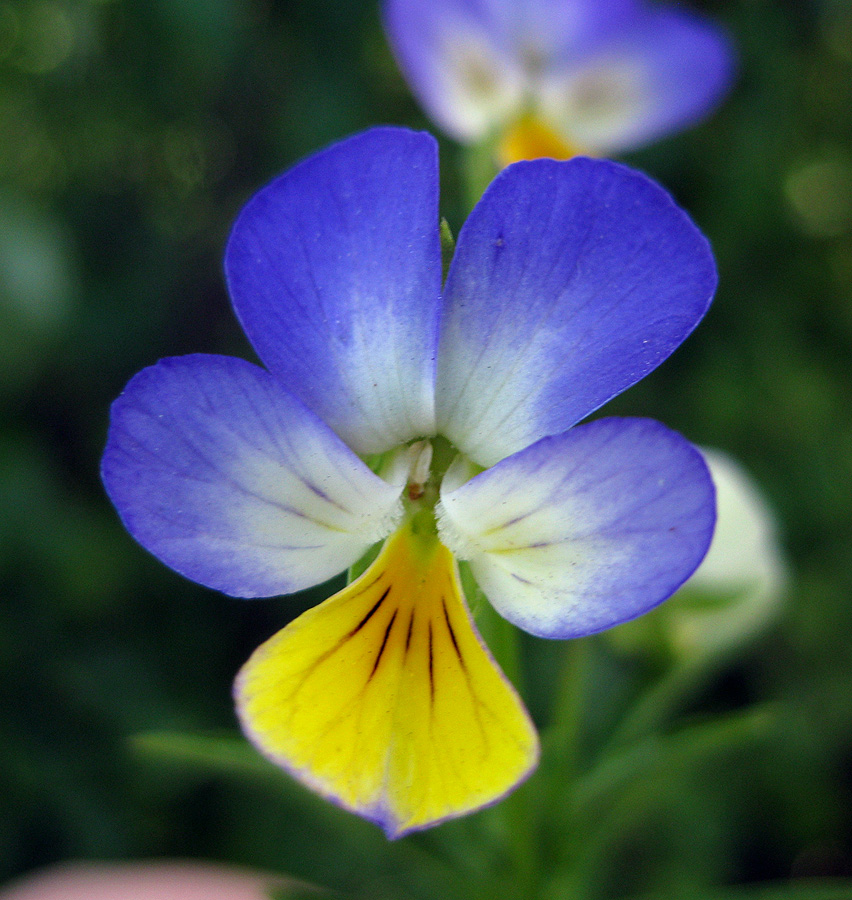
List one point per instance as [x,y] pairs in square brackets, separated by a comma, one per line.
[419,475]
[431,464]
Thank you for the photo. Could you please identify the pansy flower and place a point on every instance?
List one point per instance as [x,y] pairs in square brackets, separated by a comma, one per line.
[441,420]
[559,77]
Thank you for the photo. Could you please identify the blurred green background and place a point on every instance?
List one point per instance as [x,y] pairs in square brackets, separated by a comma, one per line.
[130,135]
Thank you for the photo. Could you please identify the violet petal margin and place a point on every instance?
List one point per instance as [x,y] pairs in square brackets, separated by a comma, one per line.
[468,63]
[662,74]
[234,483]
[585,530]
[570,282]
[334,270]
[459,61]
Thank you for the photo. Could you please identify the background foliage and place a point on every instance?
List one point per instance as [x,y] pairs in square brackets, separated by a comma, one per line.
[130,135]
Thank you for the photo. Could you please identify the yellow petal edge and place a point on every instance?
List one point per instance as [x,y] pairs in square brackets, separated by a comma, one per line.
[384,698]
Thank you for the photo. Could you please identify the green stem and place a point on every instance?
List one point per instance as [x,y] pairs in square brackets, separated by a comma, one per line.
[479,169]
[516,815]
[500,636]
[562,738]
[561,756]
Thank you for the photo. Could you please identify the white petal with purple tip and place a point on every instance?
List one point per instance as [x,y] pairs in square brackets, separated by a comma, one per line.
[585,530]
[234,483]
[458,63]
[663,73]
[474,66]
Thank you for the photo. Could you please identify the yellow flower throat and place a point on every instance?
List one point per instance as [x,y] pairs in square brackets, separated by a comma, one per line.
[384,697]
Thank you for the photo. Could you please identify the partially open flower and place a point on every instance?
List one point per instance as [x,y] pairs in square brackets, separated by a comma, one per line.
[736,592]
[442,422]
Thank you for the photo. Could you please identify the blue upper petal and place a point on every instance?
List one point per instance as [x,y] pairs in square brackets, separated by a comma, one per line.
[571,281]
[334,271]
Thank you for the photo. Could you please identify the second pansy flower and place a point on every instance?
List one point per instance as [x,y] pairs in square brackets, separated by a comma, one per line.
[559,77]
[441,421]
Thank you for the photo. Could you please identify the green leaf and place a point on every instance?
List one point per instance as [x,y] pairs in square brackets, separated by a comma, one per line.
[208,751]
[229,754]
[301,892]
[619,792]
[817,889]
[671,754]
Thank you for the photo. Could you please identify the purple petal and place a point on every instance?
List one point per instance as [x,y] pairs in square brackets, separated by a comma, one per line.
[656,77]
[234,483]
[472,62]
[571,281]
[459,63]
[585,530]
[334,270]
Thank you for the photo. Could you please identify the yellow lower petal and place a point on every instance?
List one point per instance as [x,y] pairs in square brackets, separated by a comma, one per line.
[384,699]
[530,138]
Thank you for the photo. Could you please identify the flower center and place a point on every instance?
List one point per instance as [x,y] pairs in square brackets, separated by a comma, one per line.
[419,476]
[530,138]
[431,463]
